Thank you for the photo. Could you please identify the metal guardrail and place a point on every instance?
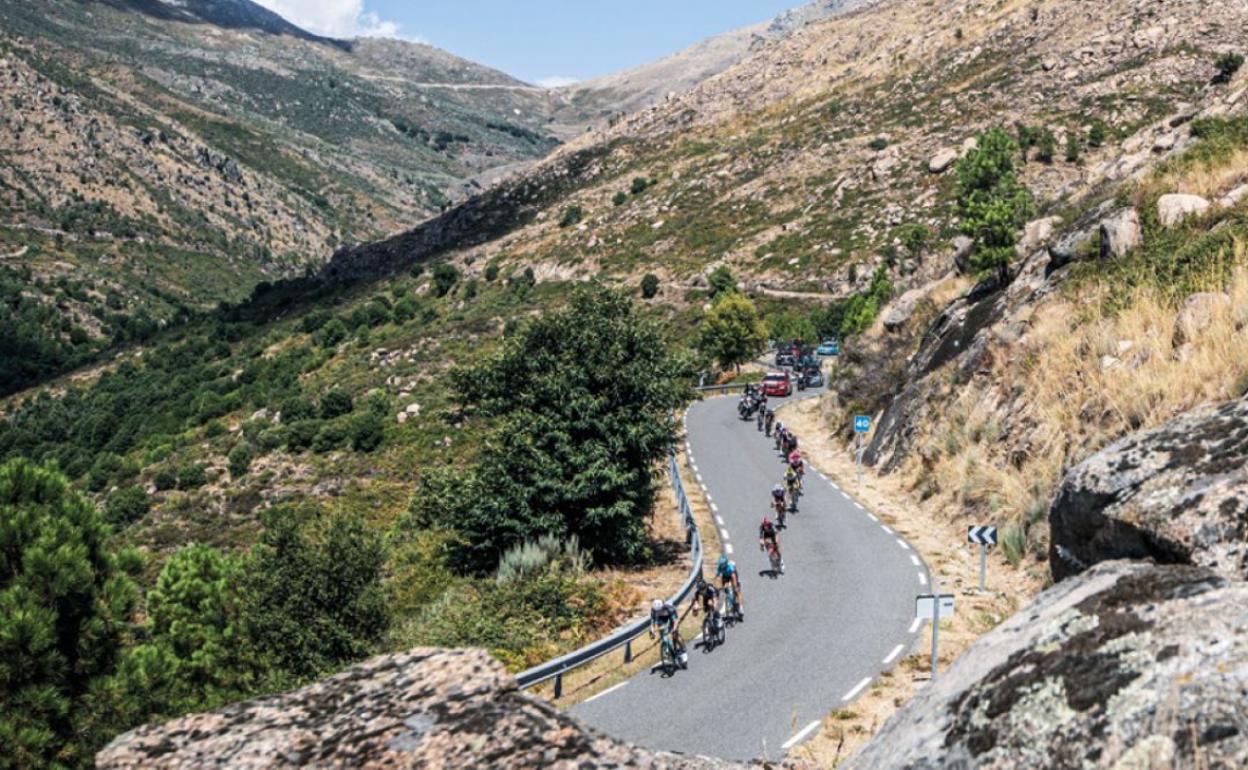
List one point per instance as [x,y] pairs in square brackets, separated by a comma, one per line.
[555,669]
[723,388]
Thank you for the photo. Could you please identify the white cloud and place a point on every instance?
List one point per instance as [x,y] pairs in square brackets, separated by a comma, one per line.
[333,18]
[556,81]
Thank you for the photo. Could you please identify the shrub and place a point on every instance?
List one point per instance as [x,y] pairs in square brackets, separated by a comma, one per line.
[878,144]
[722,281]
[66,608]
[1046,146]
[331,436]
[1097,133]
[297,408]
[240,461]
[367,431]
[1014,544]
[491,273]
[527,559]
[164,480]
[404,310]
[127,505]
[1227,64]
[639,185]
[619,199]
[572,215]
[649,285]
[192,477]
[445,276]
[992,203]
[335,403]
[470,288]
[1072,147]
[333,332]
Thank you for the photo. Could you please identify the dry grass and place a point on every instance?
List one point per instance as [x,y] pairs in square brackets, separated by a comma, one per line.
[1211,179]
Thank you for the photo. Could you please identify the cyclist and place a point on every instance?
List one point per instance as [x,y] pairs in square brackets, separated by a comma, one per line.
[793,482]
[706,596]
[726,571]
[664,617]
[777,499]
[780,431]
[767,535]
[795,462]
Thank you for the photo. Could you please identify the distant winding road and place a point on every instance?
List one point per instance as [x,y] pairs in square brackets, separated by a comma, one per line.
[813,639]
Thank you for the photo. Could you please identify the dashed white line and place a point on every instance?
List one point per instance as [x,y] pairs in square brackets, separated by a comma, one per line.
[871,516]
[914,560]
[719,520]
[914,627]
[695,467]
[607,691]
[922,579]
[886,529]
[893,655]
[723,533]
[801,736]
[858,505]
[903,544]
[714,507]
[699,475]
[833,483]
[728,547]
[857,689]
[704,489]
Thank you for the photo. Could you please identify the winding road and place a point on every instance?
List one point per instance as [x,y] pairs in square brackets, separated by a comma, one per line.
[813,639]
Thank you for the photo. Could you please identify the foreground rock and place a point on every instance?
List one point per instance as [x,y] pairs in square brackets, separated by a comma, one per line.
[1127,666]
[1174,208]
[1121,233]
[1176,494]
[424,708]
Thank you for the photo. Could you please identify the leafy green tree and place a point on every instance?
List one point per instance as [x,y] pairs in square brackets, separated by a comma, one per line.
[64,609]
[916,239]
[789,326]
[335,403]
[367,431]
[491,272]
[639,185]
[1098,133]
[313,598]
[127,505]
[240,461]
[732,332]
[649,285]
[722,281]
[992,203]
[445,276]
[333,332]
[581,398]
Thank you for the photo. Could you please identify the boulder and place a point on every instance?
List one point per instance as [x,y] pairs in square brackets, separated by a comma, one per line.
[1036,234]
[903,309]
[1172,209]
[422,708]
[1129,665]
[1175,494]
[1197,313]
[942,160]
[1120,233]
[963,247]
[1232,198]
[1070,247]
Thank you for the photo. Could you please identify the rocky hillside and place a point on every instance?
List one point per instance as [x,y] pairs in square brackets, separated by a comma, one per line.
[161,157]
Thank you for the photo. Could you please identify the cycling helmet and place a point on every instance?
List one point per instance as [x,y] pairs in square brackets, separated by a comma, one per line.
[723,561]
[656,605]
[766,522]
[777,488]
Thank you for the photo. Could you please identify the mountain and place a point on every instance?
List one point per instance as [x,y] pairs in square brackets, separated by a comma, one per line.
[161,156]
[621,93]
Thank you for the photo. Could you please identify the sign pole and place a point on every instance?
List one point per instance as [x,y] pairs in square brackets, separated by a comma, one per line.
[983,567]
[858,456]
[935,623]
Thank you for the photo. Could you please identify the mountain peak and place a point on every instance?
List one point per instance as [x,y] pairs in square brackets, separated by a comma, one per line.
[228,14]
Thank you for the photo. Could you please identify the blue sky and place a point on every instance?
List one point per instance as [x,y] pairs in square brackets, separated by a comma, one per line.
[538,39]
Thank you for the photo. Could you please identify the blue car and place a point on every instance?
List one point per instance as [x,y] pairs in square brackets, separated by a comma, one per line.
[829,348]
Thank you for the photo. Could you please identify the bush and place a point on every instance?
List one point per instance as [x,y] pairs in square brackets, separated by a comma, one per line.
[878,144]
[300,435]
[992,203]
[649,285]
[528,559]
[1046,147]
[64,613]
[404,310]
[333,332]
[639,185]
[367,431]
[192,477]
[126,506]
[1098,133]
[331,436]
[297,408]
[240,461]
[445,276]
[491,272]
[470,288]
[1072,147]
[164,480]
[572,215]
[722,281]
[335,403]
[619,199]
[1227,64]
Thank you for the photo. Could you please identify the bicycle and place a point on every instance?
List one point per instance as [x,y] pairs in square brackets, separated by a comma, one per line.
[773,554]
[712,629]
[733,609]
[669,656]
[780,513]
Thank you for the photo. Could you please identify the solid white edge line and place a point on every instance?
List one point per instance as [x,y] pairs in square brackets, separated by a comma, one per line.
[728,548]
[796,739]
[914,627]
[922,579]
[607,691]
[893,655]
[914,560]
[857,689]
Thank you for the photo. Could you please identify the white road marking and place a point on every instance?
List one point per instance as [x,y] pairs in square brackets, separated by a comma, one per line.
[872,516]
[914,627]
[723,533]
[719,520]
[704,489]
[858,505]
[857,689]
[847,497]
[695,467]
[825,478]
[893,655]
[886,529]
[833,483]
[607,691]
[714,507]
[728,547]
[914,560]
[902,543]
[699,475]
[922,579]
[796,739]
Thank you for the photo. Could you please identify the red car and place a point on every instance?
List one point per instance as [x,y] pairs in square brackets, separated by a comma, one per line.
[778,384]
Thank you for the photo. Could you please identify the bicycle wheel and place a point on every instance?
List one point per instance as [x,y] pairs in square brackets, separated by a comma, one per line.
[668,656]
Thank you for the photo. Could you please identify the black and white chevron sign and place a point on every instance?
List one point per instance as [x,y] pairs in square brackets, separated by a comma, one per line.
[982,535]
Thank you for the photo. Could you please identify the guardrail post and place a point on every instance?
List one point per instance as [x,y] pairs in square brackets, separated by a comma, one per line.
[628,651]
[559,685]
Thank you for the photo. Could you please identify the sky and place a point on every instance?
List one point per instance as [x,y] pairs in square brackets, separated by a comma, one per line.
[549,42]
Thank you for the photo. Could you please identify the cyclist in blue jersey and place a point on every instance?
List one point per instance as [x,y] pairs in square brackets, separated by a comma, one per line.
[726,571]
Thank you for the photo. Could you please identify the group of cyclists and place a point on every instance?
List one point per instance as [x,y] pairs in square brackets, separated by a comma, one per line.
[664,617]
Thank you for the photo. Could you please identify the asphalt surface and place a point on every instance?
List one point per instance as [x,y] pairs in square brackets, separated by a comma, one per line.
[813,639]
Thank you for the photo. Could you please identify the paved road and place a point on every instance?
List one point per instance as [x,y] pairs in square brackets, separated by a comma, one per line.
[813,638]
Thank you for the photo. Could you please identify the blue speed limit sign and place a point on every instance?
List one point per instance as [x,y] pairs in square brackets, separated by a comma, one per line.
[862,424]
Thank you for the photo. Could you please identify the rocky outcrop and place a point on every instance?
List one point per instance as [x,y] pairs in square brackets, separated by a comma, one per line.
[942,160]
[1197,313]
[423,708]
[1173,209]
[1176,494]
[963,248]
[1120,233]
[1127,666]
